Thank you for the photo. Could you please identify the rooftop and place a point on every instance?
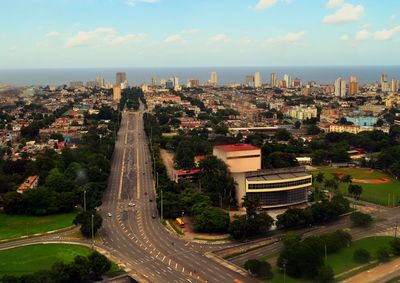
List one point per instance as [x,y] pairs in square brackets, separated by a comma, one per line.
[277,177]
[236,147]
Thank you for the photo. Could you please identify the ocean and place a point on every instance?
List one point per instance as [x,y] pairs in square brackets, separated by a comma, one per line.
[226,75]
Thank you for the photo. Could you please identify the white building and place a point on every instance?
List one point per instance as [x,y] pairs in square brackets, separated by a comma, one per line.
[340,87]
[214,78]
[257,79]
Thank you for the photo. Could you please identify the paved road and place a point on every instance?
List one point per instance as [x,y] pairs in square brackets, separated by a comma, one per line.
[388,217]
[135,233]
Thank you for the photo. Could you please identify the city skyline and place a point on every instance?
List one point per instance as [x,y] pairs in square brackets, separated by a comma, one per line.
[63,34]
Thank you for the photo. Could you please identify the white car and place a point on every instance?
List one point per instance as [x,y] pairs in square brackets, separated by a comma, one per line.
[109,214]
[131,204]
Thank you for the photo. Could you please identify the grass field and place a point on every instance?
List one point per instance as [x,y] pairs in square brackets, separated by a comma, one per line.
[28,259]
[384,194]
[14,226]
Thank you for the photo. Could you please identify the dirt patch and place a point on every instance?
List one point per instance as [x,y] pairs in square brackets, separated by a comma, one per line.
[373,181]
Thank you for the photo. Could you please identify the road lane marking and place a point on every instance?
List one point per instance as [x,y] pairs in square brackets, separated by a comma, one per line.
[176,266]
[163,258]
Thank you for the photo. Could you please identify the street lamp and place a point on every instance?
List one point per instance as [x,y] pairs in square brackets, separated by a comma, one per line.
[84,201]
[92,231]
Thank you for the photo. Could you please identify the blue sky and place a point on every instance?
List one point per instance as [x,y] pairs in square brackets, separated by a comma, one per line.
[152,33]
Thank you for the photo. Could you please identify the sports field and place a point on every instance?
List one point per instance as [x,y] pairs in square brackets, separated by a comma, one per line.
[378,187]
[28,259]
[14,226]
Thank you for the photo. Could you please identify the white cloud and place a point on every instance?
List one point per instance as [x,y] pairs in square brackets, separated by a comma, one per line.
[133,3]
[334,3]
[85,38]
[52,34]
[175,38]
[363,34]
[128,38]
[345,37]
[386,34]
[265,4]
[346,13]
[219,38]
[289,38]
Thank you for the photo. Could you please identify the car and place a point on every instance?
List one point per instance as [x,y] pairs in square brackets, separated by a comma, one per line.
[131,204]
[145,193]
[143,173]
[153,216]
[150,200]
[109,214]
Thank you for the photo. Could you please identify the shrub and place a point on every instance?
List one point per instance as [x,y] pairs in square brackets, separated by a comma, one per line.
[361,256]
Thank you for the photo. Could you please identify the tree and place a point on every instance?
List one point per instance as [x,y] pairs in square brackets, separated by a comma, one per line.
[360,219]
[355,191]
[395,246]
[382,255]
[85,219]
[291,238]
[282,135]
[211,220]
[331,184]
[320,177]
[361,256]
[251,205]
[297,125]
[259,268]
[326,275]
[347,179]
[99,264]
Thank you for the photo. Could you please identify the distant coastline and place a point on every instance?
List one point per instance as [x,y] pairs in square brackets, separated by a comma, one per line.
[226,75]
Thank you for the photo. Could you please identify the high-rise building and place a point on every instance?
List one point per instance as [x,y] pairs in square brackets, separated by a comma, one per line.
[297,83]
[175,81]
[117,93]
[257,79]
[249,80]
[120,78]
[384,82]
[273,80]
[353,85]
[162,82]
[340,87]
[100,81]
[287,80]
[214,78]
[193,83]
[394,86]
[154,81]
[76,84]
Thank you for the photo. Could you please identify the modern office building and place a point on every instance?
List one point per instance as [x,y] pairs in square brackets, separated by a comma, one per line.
[288,81]
[249,81]
[274,188]
[100,81]
[214,78]
[340,87]
[384,82]
[353,86]
[117,93]
[394,87]
[120,78]
[273,80]
[257,79]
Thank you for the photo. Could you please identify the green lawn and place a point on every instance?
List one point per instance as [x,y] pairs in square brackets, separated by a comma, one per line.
[28,259]
[342,261]
[384,194]
[14,226]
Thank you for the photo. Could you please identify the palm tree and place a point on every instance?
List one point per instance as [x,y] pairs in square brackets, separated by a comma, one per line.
[347,179]
[320,177]
[355,191]
[332,184]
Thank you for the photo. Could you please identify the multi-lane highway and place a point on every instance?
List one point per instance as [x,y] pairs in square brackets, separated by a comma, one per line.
[132,229]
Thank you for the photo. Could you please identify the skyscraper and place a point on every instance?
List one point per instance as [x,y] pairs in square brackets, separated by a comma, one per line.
[117,93]
[384,82]
[100,81]
[257,79]
[394,85]
[273,79]
[249,80]
[353,85]
[214,78]
[120,78]
[154,81]
[340,87]
[287,80]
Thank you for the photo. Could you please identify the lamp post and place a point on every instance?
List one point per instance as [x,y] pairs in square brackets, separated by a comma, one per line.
[92,231]
[84,201]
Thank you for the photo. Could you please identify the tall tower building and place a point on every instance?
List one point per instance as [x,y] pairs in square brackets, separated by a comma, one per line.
[273,79]
[394,87]
[340,87]
[120,78]
[257,79]
[100,81]
[384,82]
[175,81]
[117,93]
[214,78]
[249,80]
[287,80]
[154,81]
[353,85]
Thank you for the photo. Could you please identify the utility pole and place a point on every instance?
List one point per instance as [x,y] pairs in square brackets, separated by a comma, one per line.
[395,230]
[92,231]
[84,201]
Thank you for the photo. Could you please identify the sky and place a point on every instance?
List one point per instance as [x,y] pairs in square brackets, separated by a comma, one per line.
[189,33]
